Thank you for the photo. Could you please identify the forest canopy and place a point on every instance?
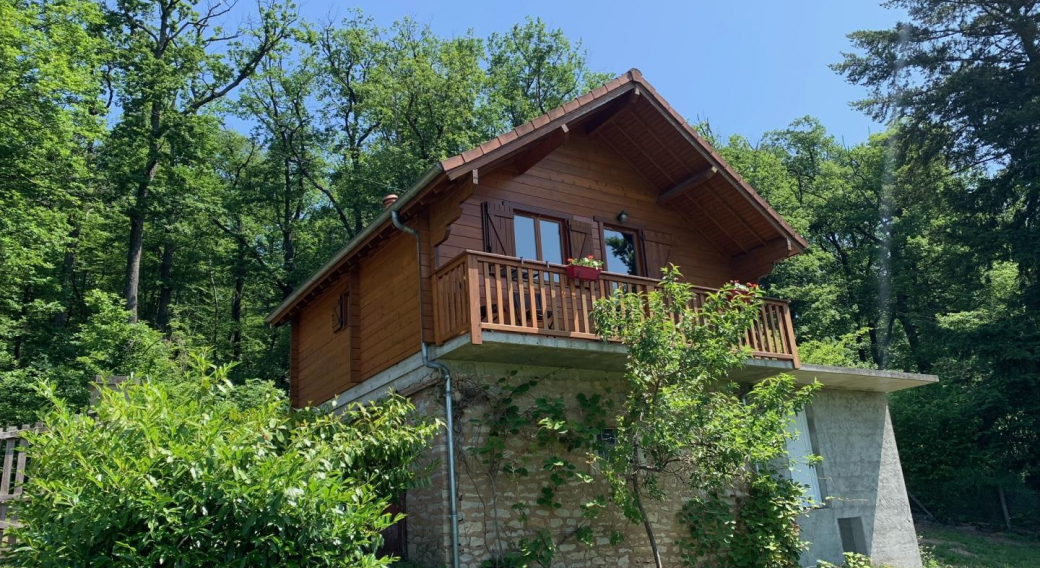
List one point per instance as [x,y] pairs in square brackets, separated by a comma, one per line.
[169,175]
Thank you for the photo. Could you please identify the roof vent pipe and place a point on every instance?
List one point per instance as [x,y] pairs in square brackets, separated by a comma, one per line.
[446,374]
[389,200]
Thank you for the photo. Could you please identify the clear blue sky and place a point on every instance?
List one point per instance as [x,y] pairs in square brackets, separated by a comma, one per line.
[747,66]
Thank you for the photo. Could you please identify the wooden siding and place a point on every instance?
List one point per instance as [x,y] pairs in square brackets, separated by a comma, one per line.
[389,318]
[585,180]
[323,356]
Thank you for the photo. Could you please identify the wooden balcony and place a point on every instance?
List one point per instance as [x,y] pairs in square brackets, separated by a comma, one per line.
[477,291]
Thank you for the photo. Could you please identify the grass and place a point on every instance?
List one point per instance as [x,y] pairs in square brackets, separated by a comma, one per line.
[956,547]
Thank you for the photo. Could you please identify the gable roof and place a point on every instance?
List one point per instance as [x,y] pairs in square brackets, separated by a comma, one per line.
[628,115]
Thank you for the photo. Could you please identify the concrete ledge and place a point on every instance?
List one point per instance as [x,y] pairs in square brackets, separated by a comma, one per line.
[410,375]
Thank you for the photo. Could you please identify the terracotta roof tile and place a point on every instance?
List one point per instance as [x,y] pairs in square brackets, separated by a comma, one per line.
[470,155]
[452,162]
[509,137]
[492,145]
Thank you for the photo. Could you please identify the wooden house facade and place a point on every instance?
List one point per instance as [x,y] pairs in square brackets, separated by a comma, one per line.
[466,270]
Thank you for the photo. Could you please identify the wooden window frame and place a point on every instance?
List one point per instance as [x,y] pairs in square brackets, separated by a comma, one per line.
[537,217]
[634,231]
[341,312]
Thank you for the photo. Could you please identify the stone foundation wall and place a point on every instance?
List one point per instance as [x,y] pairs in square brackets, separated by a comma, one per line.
[853,433]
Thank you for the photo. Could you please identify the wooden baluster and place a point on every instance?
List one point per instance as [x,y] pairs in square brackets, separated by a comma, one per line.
[5,481]
[473,301]
[565,319]
[771,328]
[500,307]
[19,476]
[546,310]
[573,294]
[508,276]
[485,269]
[449,300]
[533,304]
[585,305]
[521,296]
[774,327]
[793,345]
[435,285]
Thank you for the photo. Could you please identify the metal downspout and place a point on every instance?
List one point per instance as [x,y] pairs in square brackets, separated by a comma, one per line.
[446,373]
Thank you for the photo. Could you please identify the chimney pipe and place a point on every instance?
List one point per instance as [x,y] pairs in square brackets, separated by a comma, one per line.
[389,200]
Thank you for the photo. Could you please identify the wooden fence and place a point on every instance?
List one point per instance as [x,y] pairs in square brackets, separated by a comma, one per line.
[14,444]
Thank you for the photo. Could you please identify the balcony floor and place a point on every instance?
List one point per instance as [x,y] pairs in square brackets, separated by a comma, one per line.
[542,351]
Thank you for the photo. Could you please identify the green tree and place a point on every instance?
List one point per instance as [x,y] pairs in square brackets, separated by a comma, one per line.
[683,416]
[533,69]
[172,63]
[962,80]
[192,471]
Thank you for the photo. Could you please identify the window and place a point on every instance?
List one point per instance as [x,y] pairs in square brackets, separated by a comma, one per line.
[538,237]
[799,450]
[621,251]
[852,537]
[339,312]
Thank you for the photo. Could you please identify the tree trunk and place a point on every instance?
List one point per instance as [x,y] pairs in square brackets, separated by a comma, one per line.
[67,275]
[637,496]
[163,312]
[236,298]
[138,212]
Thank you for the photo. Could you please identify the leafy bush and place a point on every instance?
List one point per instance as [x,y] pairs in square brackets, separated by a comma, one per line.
[106,344]
[193,472]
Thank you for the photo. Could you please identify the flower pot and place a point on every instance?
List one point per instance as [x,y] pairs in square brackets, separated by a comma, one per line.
[583,272]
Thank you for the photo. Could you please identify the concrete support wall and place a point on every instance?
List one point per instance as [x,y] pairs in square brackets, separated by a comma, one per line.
[853,433]
[861,472]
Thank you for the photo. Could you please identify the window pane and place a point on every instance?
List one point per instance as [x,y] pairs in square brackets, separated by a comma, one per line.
[523,231]
[621,252]
[799,448]
[552,247]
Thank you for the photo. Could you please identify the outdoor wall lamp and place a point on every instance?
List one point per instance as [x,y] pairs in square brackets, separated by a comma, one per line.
[622,217]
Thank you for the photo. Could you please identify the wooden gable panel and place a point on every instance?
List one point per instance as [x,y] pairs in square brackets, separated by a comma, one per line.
[586,181]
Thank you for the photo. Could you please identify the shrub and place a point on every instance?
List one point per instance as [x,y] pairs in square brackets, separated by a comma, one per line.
[192,472]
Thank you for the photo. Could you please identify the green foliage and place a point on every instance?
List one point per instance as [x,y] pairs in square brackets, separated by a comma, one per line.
[759,530]
[960,79]
[519,426]
[107,344]
[114,141]
[683,417]
[852,560]
[190,471]
[533,69]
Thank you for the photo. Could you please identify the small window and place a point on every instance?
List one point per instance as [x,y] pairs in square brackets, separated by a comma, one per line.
[608,441]
[852,537]
[539,238]
[799,450]
[621,251]
[339,312]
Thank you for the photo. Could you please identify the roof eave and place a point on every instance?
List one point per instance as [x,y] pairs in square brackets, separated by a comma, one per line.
[279,314]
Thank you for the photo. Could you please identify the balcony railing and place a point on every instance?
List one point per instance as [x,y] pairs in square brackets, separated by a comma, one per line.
[479,291]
